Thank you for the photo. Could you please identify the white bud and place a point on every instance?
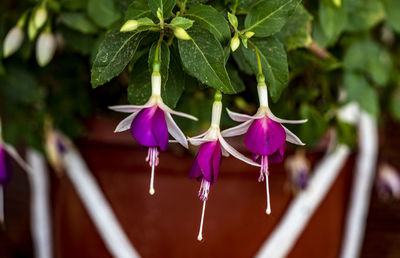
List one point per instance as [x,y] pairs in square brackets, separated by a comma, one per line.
[45,48]
[181,33]
[13,41]
[130,25]
[235,43]
[40,17]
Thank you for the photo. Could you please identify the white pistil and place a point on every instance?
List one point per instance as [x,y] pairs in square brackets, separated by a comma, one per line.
[153,164]
[200,235]
[262,94]
[268,210]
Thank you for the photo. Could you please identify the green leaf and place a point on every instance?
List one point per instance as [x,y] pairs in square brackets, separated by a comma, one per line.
[210,19]
[312,131]
[296,32]
[74,5]
[241,61]
[359,90]
[138,9]
[269,16]
[203,57]
[103,12]
[274,63]
[181,22]
[163,56]
[79,22]
[237,82]
[333,20]
[367,56]
[114,54]
[392,8]
[166,7]
[364,14]
[173,90]
[139,89]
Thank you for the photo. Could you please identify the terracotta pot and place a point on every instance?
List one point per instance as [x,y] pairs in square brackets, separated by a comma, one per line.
[166,224]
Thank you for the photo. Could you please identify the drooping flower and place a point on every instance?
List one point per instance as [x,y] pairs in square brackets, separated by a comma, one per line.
[205,168]
[265,135]
[150,124]
[388,182]
[298,169]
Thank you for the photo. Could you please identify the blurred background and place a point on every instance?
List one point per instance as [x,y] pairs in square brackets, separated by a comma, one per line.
[343,65]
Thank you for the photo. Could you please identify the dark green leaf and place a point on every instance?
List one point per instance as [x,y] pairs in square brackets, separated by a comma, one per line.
[173,90]
[274,63]
[269,16]
[79,22]
[333,19]
[138,9]
[210,19]
[367,56]
[114,54]
[203,57]
[139,90]
[103,12]
[364,14]
[166,7]
[74,5]
[237,82]
[358,89]
[163,56]
[393,13]
[312,131]
[296,32]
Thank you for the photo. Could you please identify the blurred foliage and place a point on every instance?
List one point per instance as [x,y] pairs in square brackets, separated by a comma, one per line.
[316,56]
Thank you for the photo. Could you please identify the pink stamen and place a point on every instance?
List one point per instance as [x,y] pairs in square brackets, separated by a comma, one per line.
[264,171]
[203,194]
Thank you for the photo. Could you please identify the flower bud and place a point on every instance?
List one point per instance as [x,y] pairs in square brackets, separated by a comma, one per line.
[233,20]
[40,16]
[45,48]
[337,3]
[181,33]
[130,25]
[235,43]
[13,41]
[249,34]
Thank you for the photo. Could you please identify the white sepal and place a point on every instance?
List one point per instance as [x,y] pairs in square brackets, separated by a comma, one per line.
[235,153]
[284,121]
[241,117]
[199,141]
[292,138]
[130,108]
[173,112]
[174,130]
[237,130]
[126,123]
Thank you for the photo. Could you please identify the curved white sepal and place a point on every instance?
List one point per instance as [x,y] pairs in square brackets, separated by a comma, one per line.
[284,121]
[235,153]
[200,141]
[126,123]
[129,108]
[225,153]
[171,111]
[239,117]
[292,138]
[174,130]
[200,135]
[237,130]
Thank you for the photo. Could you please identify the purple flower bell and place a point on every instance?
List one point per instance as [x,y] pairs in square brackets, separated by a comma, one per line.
[150,124]
[205,168]
[5,173]
[265,135]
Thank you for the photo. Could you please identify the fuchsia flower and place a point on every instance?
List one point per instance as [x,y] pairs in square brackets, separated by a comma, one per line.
[5,173]
[205,168]
[150,124]
[298,168]
[265,135]
[388,182]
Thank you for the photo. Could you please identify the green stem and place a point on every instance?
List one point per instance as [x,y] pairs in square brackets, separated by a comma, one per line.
[157,63]
[260,73]
[183,7]
[235,6]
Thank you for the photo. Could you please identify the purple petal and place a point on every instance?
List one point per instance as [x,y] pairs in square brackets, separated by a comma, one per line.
[150,129]
[264,136]
[277,156]
[5,166]
[207,162]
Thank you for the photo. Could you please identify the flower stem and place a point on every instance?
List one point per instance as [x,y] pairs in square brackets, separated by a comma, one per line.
[260,73]
[157,61]
[200,235]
